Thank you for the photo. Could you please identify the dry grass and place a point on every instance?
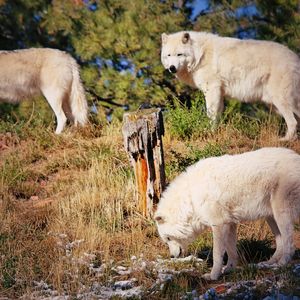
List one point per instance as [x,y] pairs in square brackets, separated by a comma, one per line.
[66,197]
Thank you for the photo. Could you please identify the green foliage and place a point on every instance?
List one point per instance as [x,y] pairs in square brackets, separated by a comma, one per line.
[16,180]
[180,162]
[209,150]
[12,172]
[8,272]
[28,114]
[116,42]
[191,122]
[18,24]
[220,18]
[280,22]
[276,20]
[185,122]
[248,119]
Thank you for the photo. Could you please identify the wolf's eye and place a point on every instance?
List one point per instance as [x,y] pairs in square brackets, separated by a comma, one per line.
[169,54]
[168,239]
[179,54]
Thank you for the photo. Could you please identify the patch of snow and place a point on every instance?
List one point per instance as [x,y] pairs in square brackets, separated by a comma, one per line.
[122,270]
[265,265]
[117,280]
[190,258]
[125,284]
[135,292]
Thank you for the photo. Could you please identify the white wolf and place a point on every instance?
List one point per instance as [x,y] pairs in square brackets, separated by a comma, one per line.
[248,70]
[220,192]
[54,73]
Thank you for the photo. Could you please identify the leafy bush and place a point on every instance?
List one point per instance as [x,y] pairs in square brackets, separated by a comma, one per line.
[185,122]
[248,119]
[191,122]
[180,162]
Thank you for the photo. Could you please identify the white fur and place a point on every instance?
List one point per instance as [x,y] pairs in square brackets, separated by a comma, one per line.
[220,192]
[51,72]
[248,70]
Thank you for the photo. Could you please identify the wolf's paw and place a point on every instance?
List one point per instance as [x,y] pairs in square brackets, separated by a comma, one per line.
[288,138]
[209,277]
[206,276]
[267,265]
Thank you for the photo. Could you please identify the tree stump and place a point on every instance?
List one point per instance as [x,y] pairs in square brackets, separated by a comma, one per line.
[142,132]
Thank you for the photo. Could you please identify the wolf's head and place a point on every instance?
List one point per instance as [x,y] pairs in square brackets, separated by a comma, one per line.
[176,235]
[175,217]
[179,52]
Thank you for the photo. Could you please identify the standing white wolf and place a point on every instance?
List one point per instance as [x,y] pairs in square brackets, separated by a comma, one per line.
[248,70]
[220,192]
[54,73]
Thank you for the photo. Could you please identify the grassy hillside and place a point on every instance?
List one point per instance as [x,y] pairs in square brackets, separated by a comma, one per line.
[68,212]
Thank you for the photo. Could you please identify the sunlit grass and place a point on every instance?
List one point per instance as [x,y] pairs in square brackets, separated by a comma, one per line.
[78,189]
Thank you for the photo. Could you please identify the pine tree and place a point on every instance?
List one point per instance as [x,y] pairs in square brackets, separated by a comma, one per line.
[116,42]
[276,20]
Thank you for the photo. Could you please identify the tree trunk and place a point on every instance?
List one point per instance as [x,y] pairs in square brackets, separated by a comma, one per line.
[142,132]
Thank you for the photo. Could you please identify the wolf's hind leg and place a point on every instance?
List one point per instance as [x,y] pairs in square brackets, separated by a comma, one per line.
[279,246]
[55,97]
[284,221]
[290,120]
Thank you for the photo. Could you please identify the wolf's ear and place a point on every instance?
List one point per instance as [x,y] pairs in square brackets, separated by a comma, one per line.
[164,38]
[159,219]
[186,37]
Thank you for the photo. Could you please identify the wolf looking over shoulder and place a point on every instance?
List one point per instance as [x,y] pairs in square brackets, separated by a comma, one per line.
[51,72]
[248,70]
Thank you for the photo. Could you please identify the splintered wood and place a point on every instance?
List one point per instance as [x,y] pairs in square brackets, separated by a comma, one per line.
[142,132]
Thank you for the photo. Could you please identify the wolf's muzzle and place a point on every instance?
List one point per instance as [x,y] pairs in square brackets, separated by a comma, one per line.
[172,69]
[179,254]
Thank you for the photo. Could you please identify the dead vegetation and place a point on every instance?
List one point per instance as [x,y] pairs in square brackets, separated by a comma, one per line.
[68,207]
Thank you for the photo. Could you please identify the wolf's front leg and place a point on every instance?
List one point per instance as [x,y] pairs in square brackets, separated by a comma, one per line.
[230,238]
[218,253]
[214,103]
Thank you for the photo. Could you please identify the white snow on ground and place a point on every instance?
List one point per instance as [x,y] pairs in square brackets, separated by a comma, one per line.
[129,288]
[121,288]
[109,278]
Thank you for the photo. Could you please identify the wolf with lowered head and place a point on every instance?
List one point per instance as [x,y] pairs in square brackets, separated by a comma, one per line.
[221,192]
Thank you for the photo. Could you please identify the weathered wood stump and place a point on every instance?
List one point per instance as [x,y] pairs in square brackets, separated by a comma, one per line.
[142,132]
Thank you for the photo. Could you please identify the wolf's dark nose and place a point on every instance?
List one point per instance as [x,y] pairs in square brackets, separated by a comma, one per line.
[172,69]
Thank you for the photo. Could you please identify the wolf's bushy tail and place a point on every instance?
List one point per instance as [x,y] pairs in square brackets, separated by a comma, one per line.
[78,100]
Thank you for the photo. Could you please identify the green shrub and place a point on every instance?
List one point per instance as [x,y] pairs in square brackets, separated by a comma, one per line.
[180,162]
[8,273]
[248,119]
[185,122]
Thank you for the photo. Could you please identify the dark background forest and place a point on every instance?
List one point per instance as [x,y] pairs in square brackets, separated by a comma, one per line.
[117,43]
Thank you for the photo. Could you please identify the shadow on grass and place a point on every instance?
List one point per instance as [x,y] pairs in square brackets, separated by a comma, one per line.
[250,251]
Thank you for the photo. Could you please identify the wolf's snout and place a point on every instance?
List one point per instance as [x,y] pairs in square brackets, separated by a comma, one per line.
[172,69]
[178,253]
